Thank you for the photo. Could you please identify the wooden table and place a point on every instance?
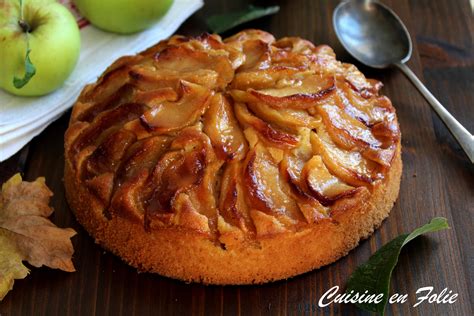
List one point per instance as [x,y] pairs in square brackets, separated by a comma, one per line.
[438,180]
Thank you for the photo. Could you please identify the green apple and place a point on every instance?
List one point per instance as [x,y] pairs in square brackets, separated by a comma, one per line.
[50,32]
[123,16]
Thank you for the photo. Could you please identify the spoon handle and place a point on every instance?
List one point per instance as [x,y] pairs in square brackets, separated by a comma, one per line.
[462,135]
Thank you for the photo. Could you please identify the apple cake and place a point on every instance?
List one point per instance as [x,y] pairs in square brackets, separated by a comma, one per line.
[235,161]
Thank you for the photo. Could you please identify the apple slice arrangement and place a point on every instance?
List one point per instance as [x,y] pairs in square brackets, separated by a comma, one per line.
[40,40]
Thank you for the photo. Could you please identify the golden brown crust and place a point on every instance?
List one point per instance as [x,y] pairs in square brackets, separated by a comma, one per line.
[232,162]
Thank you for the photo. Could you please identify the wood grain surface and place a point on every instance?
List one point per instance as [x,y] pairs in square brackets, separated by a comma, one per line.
[438,180]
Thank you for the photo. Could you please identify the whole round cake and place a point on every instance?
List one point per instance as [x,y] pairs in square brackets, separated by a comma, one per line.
[235,161]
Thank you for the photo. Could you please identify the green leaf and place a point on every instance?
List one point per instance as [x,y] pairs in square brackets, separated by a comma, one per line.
[373,277]
[30,71]
[224,22]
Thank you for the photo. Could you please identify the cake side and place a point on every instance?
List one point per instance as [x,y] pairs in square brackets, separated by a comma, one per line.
[192,257]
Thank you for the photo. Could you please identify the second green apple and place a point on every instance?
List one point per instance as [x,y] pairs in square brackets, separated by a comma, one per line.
[123,16]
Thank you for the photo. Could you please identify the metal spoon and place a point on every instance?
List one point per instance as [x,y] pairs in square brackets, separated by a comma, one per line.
[374,35]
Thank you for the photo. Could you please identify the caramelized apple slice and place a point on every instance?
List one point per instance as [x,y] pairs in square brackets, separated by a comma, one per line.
[266,132]
[155,97]
[126,201]
[296,45]
[291,168]
[304,55]
[203,42]
[179,169]
[287,58]
[324,186]
[107,156]
[290,119]
[369,111]
[101,186]
[140,156]
[192,138]
[346,131]
[387,131]
[232,205]
[136,126]
[158,47]
[223,129]
[263,79]
[106,121]
[214,42]
[113,78]
[88,111]
[293,163]
[167,179]
[340,99]
[295,53]
[150,98]
[306,89]
[147,78]
[301,94]
[203,195]
[184,60]
[257,55]
[351,134]
[189,170]
[264,187]
[295,90]
[365,87]
[349,166]
[382,156]
[171,116]
[238,39]
[253,138]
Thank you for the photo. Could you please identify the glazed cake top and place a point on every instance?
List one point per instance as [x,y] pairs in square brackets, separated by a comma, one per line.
[245,137]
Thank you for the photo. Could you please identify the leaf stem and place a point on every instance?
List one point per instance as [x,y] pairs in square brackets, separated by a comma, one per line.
[30,69]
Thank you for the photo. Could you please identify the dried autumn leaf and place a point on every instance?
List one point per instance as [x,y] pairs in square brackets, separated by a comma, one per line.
[27,235]
[10,265]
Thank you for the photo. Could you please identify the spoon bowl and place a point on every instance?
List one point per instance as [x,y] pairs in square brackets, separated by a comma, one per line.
[374,35]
